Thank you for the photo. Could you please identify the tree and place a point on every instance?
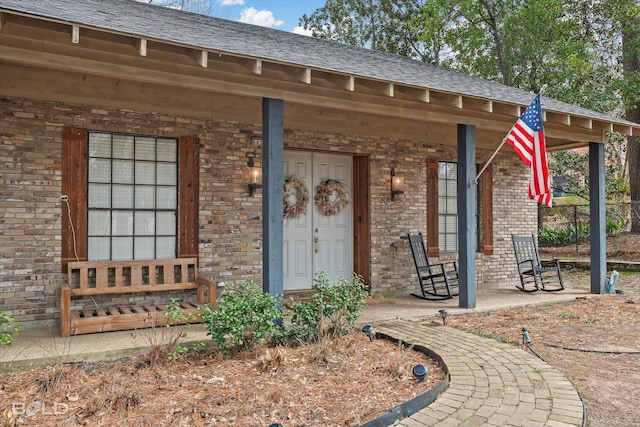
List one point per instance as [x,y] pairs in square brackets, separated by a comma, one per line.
[378,24]
[202,7]
[631,92]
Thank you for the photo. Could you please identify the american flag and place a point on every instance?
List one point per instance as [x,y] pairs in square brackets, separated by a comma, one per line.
[527,139]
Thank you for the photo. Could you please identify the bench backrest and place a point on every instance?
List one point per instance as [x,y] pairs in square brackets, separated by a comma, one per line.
[116,277]
[526,249]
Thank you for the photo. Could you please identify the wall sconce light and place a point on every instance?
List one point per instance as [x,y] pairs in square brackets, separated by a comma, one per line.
[255,174]
[397,184]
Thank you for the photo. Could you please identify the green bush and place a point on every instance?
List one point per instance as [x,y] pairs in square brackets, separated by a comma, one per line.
[8,329]
[333,310]
[245,317]
[563,236]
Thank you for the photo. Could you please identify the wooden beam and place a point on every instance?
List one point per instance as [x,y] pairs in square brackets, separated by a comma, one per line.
[2,15]
[141,47]
[332,96]
[75,34]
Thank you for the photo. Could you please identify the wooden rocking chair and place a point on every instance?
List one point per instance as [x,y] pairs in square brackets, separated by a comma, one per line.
[544,275]
[437,281]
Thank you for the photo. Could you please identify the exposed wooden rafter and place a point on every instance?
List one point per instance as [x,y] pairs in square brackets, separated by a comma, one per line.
[507,109]
[375,86]
[298,73]
[410,92]
[202,58]
[444,98]
[141,46]
[75,34]
[485,105]
[561,118]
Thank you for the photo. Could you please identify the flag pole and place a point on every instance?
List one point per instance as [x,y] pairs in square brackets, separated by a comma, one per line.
[475,181]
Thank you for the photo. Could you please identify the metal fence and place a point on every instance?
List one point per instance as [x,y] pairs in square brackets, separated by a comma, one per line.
[566,225]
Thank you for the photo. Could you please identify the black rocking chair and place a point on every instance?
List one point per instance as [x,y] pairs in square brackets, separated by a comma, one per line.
[437,281]
[543,275]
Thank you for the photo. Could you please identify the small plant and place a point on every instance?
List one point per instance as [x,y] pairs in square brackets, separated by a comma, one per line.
[333,310]
[593,319]
[568,315]
[245,316]
[177,315]
[8,329]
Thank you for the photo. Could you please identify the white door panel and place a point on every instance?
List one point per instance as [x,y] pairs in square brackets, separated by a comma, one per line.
[315,242]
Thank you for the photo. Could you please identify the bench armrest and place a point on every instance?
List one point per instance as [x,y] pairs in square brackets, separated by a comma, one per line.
[212,291]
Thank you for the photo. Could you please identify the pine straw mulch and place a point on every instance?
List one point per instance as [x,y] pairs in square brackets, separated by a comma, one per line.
[337,382]
[594,341]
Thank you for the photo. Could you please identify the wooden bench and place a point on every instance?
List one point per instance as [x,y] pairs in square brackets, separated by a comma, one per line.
[90,278]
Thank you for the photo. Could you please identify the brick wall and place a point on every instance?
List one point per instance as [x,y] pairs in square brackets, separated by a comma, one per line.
[30,211]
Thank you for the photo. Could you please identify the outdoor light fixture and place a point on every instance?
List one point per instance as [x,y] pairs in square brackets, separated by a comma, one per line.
[443,313]
[368,330]
[255,174]
[397,184]
[419,372]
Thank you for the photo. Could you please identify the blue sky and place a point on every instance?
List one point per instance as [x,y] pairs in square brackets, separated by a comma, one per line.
[280,14]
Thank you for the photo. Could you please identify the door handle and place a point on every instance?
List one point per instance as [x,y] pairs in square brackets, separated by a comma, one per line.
[315,244]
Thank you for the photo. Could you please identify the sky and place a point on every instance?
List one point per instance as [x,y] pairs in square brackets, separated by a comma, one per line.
[280,14]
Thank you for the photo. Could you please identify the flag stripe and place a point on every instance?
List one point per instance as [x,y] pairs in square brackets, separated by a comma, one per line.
[527,139]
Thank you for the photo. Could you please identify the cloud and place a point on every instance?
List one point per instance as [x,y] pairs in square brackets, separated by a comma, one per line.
[302,31]
[263,18]
[231,2]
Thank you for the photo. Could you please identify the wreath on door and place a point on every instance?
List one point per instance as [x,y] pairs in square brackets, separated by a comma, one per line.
[294,186]
[324,196]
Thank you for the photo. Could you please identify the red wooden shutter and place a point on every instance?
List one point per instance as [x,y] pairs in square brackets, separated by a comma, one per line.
[433,248]
[486,182]
[188,190]
[74,185]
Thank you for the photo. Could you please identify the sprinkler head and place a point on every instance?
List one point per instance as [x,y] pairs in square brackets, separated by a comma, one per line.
[526,339]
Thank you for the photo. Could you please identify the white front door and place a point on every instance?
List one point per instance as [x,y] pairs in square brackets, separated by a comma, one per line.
[316,242]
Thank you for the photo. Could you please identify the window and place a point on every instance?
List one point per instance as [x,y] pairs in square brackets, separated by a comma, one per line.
[447,207]
[442,229]
[129,196]
[132,197]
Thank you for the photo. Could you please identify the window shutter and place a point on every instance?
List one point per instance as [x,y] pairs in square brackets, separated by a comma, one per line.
[433,248]
[74,185]
[487,210]
[188,190]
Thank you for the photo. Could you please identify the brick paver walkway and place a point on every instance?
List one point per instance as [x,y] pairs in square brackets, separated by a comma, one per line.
[491,383]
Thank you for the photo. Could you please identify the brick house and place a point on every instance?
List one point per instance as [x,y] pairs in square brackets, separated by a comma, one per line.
[146,119]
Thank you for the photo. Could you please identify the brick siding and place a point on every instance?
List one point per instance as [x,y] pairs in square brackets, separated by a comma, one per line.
[30,211]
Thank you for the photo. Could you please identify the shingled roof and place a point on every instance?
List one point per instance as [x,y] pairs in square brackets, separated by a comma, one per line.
[213,34]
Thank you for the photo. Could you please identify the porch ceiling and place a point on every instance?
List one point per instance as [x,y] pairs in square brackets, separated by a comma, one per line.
[230,86]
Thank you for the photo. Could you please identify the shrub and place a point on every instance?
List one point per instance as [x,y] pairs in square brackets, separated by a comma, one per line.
[333,310]
[245,316]
[8,329]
